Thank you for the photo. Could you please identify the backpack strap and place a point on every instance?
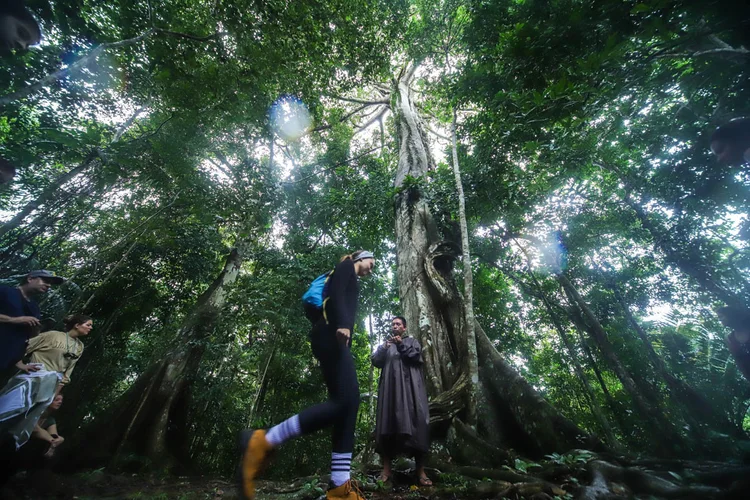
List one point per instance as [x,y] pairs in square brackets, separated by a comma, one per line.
[325,300]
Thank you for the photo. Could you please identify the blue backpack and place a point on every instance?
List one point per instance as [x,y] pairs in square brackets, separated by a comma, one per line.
[315,295]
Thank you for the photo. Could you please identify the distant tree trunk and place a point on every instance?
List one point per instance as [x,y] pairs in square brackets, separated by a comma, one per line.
[48,193]
[262,389]
[141,422]
[659,426]
[514,414]
[697,406]
[577,322]
[596,409]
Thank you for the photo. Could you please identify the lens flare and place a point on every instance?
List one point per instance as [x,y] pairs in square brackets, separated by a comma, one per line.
[290,118]
[554,253]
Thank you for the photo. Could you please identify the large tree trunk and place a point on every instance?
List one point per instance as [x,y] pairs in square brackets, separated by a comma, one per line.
[149,419]
[513,413]
[596,409]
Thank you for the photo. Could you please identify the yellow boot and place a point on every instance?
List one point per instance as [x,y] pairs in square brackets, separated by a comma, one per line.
[255,449]
[347,491]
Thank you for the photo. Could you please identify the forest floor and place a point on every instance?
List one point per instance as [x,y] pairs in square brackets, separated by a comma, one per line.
[587,481]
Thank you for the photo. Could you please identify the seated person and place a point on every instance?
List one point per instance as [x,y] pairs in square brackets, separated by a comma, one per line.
[45,431]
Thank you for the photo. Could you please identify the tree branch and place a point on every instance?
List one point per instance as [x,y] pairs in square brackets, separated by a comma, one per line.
[359,101]
[339,164]
[188,36]
[371,121]
[125,126]
[341,120]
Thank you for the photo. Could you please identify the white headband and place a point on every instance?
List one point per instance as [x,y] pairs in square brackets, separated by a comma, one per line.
[364,255]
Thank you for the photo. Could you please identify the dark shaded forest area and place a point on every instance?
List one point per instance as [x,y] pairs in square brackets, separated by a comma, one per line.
[534,177]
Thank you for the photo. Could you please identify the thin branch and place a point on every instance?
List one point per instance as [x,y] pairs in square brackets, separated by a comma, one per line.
[151,134]
[125,126]
[742,51]
[188,36]
[437,134]
[359,101]
[348,160]
[371,121]
[341,120]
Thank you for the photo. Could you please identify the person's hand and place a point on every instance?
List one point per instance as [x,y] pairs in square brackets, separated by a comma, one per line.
[31,367]
[25,320]
[396,339]
[343,335]
[57,441]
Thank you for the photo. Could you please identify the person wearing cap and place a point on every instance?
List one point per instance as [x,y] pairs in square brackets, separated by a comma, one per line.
[20,318]
[330,340]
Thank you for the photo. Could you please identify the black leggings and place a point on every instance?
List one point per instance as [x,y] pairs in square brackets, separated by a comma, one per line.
[340,376]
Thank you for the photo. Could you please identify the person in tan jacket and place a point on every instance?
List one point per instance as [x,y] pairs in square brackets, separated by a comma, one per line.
[59,351]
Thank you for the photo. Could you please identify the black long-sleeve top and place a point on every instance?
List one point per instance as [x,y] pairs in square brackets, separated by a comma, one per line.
[343,295]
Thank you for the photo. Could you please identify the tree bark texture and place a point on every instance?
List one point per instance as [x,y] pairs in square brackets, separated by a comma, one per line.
[512,412]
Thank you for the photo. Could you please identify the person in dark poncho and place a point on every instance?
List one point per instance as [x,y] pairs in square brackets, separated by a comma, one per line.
[330,340]
[402,425]
[738,341]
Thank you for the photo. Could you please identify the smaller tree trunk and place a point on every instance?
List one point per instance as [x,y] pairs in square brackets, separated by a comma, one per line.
[472,366]
[659,426]
[596,409]
[139,420]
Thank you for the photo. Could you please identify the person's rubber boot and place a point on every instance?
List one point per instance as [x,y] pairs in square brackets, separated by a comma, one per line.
[347,491]
[255,449]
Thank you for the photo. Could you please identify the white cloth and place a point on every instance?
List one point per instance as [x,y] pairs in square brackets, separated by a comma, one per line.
[23,400]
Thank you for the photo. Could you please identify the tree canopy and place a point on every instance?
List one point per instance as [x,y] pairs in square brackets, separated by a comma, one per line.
[160,171]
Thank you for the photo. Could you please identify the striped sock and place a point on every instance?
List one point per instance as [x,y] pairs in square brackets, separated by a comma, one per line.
[341,465]
[285,431]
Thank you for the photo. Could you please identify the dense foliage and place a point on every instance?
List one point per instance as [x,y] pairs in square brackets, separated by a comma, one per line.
[583,132]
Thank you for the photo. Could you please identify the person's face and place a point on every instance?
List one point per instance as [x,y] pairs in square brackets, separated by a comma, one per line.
[57,402]
[6,174]
[85,328]
[17,33]
[397,327]
[365,267]
[38,285]
[730,153]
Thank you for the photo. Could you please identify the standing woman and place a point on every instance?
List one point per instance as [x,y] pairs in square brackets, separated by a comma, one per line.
[59,351]
[330,339]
